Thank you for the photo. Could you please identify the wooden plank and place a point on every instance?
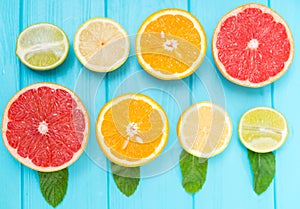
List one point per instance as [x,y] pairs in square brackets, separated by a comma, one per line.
[159,191]
[84,175]
[229,178]
[286,91]
[10,175]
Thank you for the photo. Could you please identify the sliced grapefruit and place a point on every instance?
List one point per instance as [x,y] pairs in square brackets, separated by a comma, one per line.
[45,126]
[132,130]
[252,46]
[101,44]
[171,44]
[204,129]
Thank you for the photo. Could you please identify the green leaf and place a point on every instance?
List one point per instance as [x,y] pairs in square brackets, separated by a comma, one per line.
[263,168]
[54,186]
[193,171]
[126,179]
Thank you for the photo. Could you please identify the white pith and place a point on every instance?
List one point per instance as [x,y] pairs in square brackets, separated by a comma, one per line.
[253,44]
[43,127]
[170,45]
[132,129]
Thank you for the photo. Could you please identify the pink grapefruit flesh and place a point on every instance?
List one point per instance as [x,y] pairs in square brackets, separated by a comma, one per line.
[45,126]
[252,45]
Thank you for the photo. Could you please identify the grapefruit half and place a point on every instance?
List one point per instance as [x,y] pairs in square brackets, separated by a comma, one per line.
[45,127]
[252,46]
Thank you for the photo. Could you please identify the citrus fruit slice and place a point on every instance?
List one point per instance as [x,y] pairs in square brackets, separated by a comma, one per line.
[42,46]
[101,44]
[45,126]
[204,129]
[132,130]
[170,44]
[252,46]
[263,129]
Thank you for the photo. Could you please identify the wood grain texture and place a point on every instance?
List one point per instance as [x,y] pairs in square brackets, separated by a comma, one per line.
[157,191]
[286,100]
[229,179]
[84,176]
[10,169]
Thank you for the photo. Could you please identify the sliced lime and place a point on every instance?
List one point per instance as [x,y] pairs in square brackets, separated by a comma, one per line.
[42,46]
[263,129]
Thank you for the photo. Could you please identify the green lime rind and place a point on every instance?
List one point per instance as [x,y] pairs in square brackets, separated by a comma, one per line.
[263,129]
[35,59]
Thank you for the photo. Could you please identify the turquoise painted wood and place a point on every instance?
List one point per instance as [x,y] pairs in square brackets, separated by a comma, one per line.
[229,179]
[10,169]
[285,99]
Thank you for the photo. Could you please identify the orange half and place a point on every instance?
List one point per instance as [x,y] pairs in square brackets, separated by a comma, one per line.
[132,129]
[171,44]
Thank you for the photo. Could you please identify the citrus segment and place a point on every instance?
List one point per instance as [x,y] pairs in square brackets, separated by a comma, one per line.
[42,46]
[252,45]
[204,129]
[132,129]
[170,44]
[45,127]
[101,44]
[263,129]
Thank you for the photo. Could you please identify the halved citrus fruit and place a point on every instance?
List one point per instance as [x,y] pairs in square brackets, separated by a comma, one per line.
[101,44]
[252,45]
[45,126]
[171,44]
[42,46]
[204,129]
[263,129]
[132,130]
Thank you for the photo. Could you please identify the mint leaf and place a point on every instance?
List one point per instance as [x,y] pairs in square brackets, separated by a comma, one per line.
[263,168]
[193,171]
[54,186]
[126,179]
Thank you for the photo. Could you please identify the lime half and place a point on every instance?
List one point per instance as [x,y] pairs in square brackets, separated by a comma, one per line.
[263,129]
[42,46]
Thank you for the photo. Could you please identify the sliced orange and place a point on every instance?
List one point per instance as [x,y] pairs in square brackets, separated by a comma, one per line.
[132,129]
[171,44]
[204,129]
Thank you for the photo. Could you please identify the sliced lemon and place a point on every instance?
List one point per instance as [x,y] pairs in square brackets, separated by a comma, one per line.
[132,130]
[263,129]
[171,44]
[101,44]
[42,46]
[204,129]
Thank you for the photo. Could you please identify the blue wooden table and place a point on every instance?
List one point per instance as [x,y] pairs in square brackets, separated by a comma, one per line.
[229,178]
